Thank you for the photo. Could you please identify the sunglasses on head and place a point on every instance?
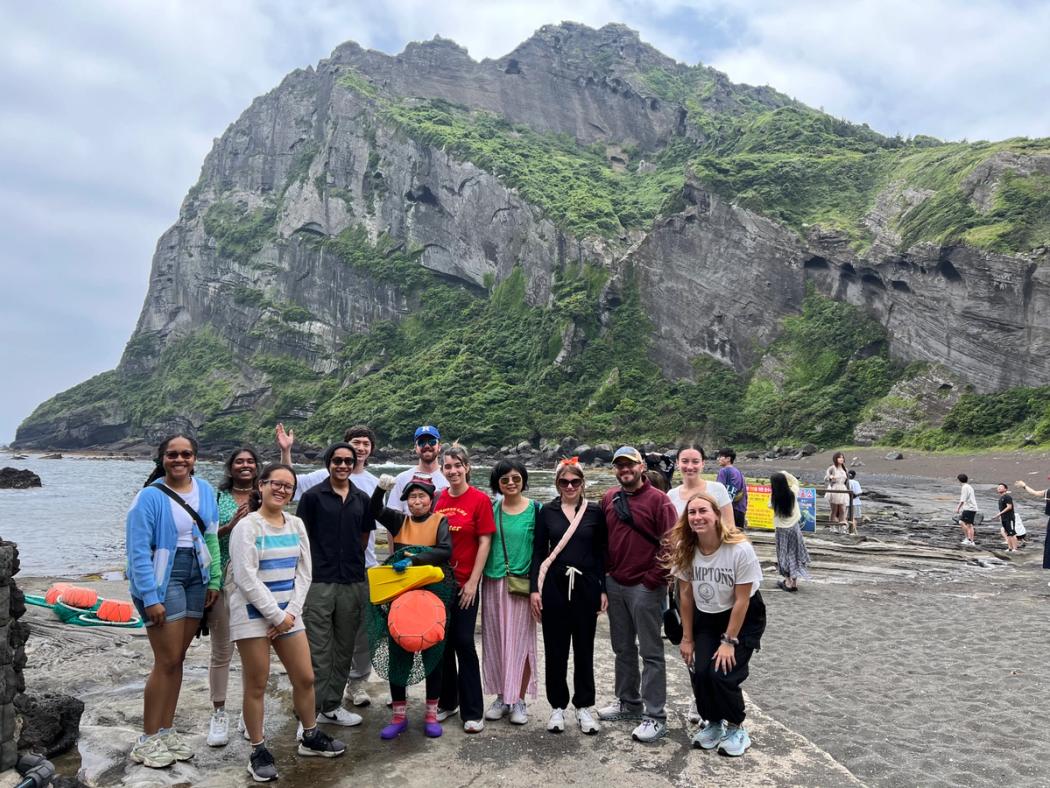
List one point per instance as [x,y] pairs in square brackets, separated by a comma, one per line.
[427,442]
[570,483]
[341,461]
[185,454]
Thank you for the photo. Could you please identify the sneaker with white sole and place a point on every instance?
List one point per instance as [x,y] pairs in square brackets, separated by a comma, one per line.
[150,751]
[177,746]
[356,694]
[444,714]
[556,722]
[474,726]
[497,710]
[693,716]
[735,742]
[340,716]
[710,736]
[618,710]
[320,744]
[519,715]
[219,729]
[586,721]
[261,766]
[650,730]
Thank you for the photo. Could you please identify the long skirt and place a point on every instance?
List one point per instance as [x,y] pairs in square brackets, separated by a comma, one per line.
[508,641]
[792,555]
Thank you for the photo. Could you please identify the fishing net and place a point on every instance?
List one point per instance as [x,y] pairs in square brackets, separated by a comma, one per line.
[390,660]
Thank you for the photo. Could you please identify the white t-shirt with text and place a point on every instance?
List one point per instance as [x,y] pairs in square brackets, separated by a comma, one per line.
[714,577]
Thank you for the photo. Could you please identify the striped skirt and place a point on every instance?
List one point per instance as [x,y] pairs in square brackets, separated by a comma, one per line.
[792,555]
[508,642]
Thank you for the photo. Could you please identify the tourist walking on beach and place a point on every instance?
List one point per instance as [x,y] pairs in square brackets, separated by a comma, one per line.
[638,516]
[967,510]
[469,513]
[269,581]
[425,540]
[792,555]
[338,522]
[854,503]
[508,629]
[730,477]
[428,450]
[363,440]
[723,618]
[1045,495]
[173,575]
[237,496]
[1006,515]
[835,477]
[691,460]
[567,583]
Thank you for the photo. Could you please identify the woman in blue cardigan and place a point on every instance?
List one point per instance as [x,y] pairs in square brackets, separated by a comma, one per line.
[173,574]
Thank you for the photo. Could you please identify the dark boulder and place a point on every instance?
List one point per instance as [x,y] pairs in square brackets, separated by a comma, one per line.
[50,724]
[18,479]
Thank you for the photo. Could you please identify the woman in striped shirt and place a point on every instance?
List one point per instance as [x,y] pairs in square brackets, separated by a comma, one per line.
[270,570]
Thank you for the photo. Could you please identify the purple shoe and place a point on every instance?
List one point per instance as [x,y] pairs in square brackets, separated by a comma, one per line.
[394,729]
[432,729]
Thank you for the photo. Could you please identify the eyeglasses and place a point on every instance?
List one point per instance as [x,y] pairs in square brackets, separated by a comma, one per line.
[349,461]
[570,483]
[185,454]
[279,486]
[427,442]
[510,480]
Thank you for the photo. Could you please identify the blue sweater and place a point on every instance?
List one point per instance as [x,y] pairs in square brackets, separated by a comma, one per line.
[152,538]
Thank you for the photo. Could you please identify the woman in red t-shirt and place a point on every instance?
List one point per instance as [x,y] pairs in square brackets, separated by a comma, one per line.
[469,514]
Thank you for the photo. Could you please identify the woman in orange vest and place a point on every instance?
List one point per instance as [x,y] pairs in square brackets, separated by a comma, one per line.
[423,538]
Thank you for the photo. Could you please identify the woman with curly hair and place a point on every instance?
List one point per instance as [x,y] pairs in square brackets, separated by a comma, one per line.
[723,617]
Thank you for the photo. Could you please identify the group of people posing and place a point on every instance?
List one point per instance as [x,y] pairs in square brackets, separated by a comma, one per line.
[262,577]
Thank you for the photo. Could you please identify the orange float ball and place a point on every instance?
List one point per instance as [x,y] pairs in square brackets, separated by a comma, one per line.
[417,620]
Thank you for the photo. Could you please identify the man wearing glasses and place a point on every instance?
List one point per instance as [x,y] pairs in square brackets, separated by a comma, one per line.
[428,449]
[338,522]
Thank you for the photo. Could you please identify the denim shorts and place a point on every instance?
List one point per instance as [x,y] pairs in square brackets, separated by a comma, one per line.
[185,595]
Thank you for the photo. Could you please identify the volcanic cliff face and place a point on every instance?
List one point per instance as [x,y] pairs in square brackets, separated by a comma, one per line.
[340,205]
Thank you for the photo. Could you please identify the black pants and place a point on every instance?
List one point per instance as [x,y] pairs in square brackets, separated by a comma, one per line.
[462,687]
[398,692]
[570,622]
[718,695]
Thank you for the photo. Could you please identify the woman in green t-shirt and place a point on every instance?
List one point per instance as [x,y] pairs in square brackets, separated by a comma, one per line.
[508,630]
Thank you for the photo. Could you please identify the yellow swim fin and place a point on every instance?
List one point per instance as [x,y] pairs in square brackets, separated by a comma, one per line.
[385,583]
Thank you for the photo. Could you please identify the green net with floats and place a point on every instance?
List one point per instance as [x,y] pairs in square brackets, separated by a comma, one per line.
[390,660]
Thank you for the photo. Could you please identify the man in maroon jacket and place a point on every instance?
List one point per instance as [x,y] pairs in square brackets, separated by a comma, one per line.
[638,516]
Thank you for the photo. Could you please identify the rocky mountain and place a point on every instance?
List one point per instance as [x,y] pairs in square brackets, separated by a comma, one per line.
[586,238]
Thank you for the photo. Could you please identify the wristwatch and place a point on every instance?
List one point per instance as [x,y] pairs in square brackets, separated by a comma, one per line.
[729,640]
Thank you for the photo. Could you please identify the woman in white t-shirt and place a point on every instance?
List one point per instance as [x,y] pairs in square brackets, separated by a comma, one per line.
[691,464]
[723,617]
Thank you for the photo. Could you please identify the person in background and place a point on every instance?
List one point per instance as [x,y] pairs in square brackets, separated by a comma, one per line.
[567,583]
[835,477]
[428,449]
[338,522]
[363,440]
[469,514]
[967,510]
[238,493]
[638,517]
[269,578]
[508,629]
[723,618]
[1045,495]
[658,480]
[855,488]
[691,460]
[730,477]
[1007,517]
[792,555]
[173,575]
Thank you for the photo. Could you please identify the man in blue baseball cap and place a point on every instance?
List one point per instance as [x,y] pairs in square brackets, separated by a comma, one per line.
[428,449]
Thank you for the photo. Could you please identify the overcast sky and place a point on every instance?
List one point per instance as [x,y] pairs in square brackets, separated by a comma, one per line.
[110,106]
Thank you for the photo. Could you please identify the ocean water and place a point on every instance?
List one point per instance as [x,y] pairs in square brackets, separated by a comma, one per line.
[74,524]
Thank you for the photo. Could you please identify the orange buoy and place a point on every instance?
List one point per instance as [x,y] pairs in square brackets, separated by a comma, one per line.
[55,591]
[417,620]
[115,611]
[77,596]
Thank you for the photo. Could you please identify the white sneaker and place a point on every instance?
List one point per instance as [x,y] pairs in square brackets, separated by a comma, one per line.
[588,724]
[340,716]
[693,716]
[356,694]
[474,726]
[618,710]
[299,731]
[242,728]
[497,710]
[444,714]
[219,729]
[649,730]
[556,722]
[518,713]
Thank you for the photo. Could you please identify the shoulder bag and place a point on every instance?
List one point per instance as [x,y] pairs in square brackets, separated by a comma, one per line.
[202,628]
[516,584]
[672,617]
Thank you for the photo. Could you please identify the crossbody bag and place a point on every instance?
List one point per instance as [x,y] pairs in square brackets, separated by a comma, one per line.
[516,584]
[202,628]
